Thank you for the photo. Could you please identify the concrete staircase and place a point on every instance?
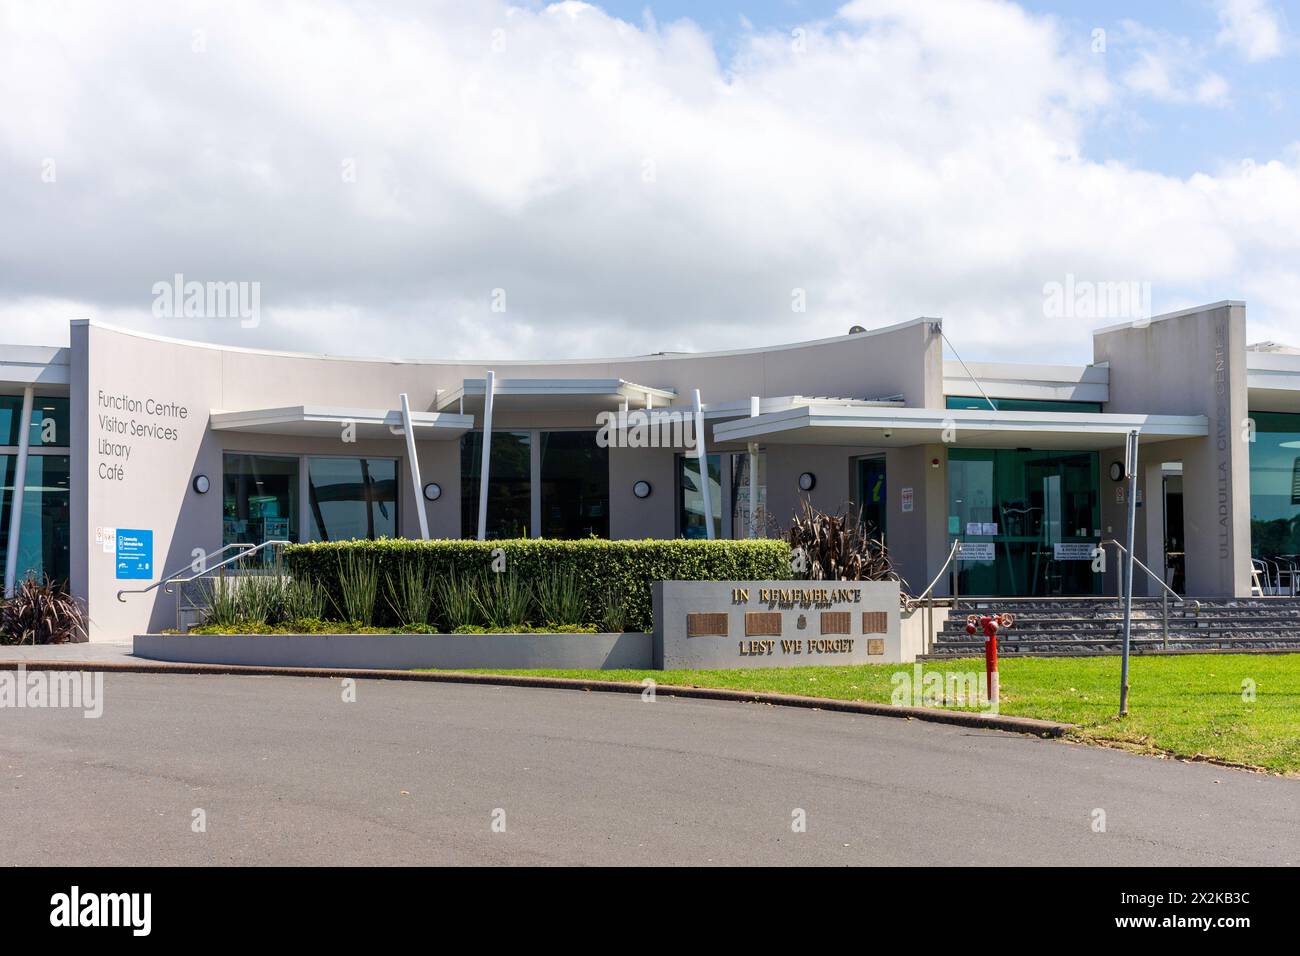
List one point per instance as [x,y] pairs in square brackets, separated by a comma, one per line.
[1090,626]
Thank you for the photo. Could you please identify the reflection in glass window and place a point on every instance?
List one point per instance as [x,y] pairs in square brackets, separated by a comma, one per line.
[43,537]
[744,522]
[690,497]
[509,484]
[1022,515]
[259,499]
[49,421]
[352,498]
[575,485]
[1275,485]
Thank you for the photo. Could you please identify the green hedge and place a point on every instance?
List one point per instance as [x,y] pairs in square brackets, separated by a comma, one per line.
[629,566]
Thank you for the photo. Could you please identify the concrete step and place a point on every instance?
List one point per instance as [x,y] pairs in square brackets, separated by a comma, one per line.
[1078,647]
[1190,625]
[1050,626]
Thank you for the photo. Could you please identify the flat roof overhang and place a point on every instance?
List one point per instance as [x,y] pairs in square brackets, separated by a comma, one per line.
[36,365]
[900,427]
[724,411]
[555,394]
[1273,381]
[318,421]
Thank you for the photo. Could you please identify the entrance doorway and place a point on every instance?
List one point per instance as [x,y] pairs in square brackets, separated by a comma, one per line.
[1175,556]
[1028,521]
[871,497]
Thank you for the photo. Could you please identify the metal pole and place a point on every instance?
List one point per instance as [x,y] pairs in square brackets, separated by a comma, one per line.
[755,407]
[1164,609]
[20,487]
[1130,468]
[490,386]
[409,428]
[702,454]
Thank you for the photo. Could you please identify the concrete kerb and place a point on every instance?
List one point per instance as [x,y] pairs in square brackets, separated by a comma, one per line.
[1018,725]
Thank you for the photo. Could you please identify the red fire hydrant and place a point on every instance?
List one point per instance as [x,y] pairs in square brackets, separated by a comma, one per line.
[990,624]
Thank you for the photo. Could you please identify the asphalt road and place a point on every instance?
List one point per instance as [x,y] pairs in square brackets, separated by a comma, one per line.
[287,772]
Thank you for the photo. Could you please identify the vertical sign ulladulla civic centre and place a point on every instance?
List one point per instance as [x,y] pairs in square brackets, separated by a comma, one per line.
[124,422]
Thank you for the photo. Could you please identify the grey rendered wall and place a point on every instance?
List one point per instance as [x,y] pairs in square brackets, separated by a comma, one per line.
[632,651]
[917,540]
[1188,364]
[633,517]
[155,492]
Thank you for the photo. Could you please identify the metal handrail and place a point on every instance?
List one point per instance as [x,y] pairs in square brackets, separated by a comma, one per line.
[1154,577]
[177,578]
[926,598]
[1164,594]
[952,552]
[166,578]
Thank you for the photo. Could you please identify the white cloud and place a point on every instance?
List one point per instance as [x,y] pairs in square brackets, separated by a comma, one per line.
[626,190]
[1253,27]
[1168,68]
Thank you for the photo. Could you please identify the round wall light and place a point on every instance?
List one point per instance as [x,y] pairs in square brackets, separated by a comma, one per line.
[1116,471]
[642,489]
[807,481]
[201,484]
[432,491]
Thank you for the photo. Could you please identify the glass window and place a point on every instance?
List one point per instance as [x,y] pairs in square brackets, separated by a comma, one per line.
[743,524]
[1275,485]
[49,421]
[260,499]
[690,497]
[872,497]
[509,484]
[352,498]
[1015,507]
[1021,404]
[575,485]
[43,538]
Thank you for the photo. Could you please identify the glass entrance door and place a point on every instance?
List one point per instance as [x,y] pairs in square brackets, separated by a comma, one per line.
[1028,521]
[871,496]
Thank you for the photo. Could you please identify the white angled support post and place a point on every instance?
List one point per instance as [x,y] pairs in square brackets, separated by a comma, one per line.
[703,456]
[409,428]
[20,485]
[489,386]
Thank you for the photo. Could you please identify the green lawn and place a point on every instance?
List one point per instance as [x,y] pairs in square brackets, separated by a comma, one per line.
[1190,705]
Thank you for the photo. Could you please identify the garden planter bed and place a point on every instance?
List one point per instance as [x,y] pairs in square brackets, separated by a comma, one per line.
[632,650]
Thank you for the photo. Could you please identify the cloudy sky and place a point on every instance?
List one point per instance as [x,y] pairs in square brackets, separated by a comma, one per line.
[471,179]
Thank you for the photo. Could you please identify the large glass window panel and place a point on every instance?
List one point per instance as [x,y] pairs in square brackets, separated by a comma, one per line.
[690,496]
[44,535]
[575,485]
[1275,485]
[1020,404]
[352,498]
[509,509]
[48,423]
[1023,515]
[260,499]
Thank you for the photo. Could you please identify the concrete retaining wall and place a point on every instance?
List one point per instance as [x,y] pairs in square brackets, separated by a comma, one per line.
[633,651]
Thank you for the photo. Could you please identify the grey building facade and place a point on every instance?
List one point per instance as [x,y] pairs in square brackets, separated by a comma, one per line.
[128,456]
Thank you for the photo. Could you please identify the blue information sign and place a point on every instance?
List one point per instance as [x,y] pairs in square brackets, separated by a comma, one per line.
[134,554]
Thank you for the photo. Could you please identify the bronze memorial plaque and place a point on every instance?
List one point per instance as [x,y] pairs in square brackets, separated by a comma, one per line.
[706,625]
[875,622]
[837,622]
[762,623]
[875,645]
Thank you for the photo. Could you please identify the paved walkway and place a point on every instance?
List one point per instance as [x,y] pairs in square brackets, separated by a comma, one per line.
[94,652]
